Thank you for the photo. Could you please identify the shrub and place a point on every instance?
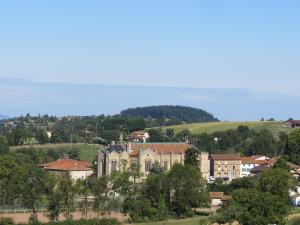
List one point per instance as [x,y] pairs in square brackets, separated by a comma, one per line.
[6,221]
[189,213]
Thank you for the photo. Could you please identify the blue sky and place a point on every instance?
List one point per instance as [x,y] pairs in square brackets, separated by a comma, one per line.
[250,46]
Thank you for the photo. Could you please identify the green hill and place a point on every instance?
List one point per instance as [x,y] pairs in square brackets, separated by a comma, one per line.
[169,112]
[274,126]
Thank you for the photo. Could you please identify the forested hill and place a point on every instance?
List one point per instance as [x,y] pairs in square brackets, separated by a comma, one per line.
[179,113]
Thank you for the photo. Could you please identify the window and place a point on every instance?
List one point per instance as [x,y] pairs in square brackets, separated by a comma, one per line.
[219,167]
[166,163]
[147,166]
[113,166]
[233,167]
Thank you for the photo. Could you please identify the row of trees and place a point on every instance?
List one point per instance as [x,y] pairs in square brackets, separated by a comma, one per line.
[91,129]
[161,195]
[241,140]
[260,200]
[96,128]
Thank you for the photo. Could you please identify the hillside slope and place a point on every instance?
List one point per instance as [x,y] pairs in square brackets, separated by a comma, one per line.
[179,113]
[274,126]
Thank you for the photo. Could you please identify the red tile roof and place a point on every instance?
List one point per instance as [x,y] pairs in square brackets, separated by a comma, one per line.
[67,165]
[225,157]
[167,148]
[137,135]
[294,122]
[134,153]
[251,160]
[218,195]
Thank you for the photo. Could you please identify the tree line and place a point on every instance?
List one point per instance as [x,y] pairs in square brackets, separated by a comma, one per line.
[48,129]
[170,115]
[95,129]
[260,200]
[242,140]
[160,196]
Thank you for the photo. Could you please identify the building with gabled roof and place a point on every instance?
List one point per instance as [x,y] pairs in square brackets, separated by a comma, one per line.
[118,157]
[249,163]
[138,136]
[76,169]
[225,166]
[292,123]
[257,170]
[218,198]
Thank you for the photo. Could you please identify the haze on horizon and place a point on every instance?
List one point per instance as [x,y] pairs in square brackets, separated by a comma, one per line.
[250,48]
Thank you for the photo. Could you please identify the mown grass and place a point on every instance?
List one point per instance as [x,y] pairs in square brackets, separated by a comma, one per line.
[87,152]
[196,128]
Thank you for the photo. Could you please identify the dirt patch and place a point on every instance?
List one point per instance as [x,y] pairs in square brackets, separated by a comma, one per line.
[24,217]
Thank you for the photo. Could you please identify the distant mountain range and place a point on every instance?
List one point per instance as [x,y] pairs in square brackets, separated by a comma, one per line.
[3,117]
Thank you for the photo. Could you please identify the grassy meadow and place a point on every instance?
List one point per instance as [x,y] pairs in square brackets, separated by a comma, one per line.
[196,128]
[87,152]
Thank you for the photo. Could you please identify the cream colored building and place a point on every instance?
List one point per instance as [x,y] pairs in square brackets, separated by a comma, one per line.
[226,166]
[205,165]
[119,157]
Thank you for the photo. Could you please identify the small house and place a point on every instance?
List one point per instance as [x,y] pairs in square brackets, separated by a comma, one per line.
[218,198]
[76,169]
[293,124]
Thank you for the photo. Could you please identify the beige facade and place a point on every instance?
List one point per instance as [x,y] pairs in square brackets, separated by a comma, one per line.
[225,166]
[76,169]
[205,165]
[119,157]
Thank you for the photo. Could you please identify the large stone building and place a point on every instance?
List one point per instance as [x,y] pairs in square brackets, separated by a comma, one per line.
[118,157]
[225,166]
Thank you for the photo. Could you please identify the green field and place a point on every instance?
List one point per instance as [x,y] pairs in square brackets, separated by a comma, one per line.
[87,152]
[196,128]
[190,221]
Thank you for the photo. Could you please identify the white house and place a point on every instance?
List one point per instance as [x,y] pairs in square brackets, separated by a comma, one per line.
[248,163]
[138,136]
